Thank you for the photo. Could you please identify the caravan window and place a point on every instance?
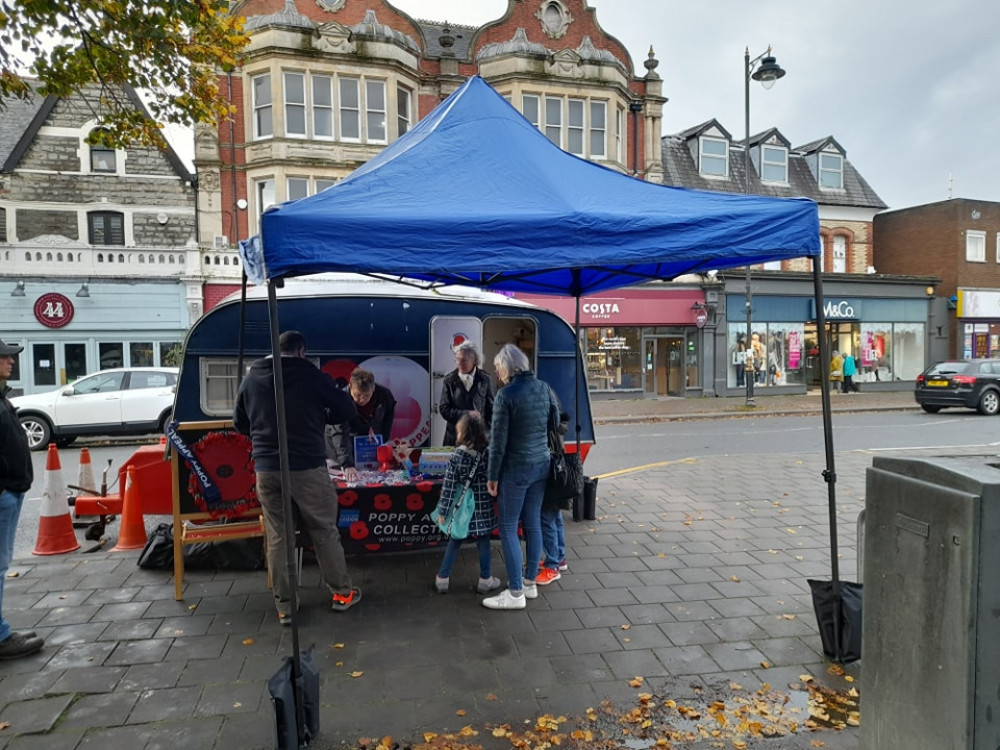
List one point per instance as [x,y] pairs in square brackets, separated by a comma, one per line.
[218,386]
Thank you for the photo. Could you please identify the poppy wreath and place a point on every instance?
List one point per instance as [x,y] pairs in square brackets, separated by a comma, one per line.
[225,456]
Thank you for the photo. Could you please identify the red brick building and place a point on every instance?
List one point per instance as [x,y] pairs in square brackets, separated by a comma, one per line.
[958,241]
[326,84]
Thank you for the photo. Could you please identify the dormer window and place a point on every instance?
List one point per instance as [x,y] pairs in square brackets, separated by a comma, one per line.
[713,157]
[831,171]
[774,164]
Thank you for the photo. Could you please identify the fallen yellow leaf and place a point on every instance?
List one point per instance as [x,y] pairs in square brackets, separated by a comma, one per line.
[356,674]
[626,626]
[4,725]
[635,682]
[237,704]
[788,617]
[491,697]
[734,578]
[460,712]
[791,531]
[338,645]
[248,641]
[766,664]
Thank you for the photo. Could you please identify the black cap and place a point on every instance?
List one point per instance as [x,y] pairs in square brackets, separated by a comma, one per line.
[7,350]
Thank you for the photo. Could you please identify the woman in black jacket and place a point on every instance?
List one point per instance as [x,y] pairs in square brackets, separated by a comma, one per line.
[466,389]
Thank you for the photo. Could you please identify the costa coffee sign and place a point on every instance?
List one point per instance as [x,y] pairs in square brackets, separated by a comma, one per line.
[53,310]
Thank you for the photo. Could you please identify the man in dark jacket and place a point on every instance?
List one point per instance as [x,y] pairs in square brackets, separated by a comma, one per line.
[465,389]
[376,411]
[311,401]
[16,476]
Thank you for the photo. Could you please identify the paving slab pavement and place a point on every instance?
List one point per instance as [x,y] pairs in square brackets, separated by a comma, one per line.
[686,587]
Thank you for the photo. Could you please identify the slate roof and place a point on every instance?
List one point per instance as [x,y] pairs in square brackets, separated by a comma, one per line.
[16,118]
[433,31]
[681,170]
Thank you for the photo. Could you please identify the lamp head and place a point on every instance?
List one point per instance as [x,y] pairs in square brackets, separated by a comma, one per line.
[18,289]
[768,72]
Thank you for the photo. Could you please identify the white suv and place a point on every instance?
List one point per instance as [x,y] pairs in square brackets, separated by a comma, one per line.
[128,401]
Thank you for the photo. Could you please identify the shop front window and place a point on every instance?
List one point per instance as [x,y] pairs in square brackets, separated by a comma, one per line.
[875,364]
[780,354]
[907,350]
[613,359]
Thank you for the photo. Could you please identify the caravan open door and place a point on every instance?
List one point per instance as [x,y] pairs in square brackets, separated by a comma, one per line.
[447,332]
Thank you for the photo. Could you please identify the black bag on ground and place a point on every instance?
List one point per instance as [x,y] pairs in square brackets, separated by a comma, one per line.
[233,554]
[825,603]
[565,481]
[158,554]
[282,689]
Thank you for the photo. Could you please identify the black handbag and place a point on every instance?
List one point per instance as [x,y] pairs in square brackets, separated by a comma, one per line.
[565,481]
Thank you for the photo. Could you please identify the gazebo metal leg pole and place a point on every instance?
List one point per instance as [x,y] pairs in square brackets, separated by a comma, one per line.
[286,504]
[830,473]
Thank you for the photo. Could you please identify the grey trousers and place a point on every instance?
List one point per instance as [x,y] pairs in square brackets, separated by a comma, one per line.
[315,497]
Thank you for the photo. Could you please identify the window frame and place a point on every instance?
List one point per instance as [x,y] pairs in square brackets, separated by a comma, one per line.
[354,110]
[299,107]
[838,261]
[980,236]
[766,164]
[404,110]
[597,134]
[95,150]
[314,80]
[825,170]
[303,182]
[369,111]
[551,125]
[536,121]
[259,108]
[706,157]
[92,229]
[576,126]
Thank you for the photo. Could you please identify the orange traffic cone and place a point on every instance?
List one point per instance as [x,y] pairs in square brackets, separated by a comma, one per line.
[55,527]
[86,476]
[132,529]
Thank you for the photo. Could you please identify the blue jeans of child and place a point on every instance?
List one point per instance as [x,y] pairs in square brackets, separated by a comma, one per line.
[553,537]
[519,497]
[455,545]
[10,512]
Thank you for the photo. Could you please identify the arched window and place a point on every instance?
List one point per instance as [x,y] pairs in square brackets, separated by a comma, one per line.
[100,257]
[59,257]
[121,258]
[48,257]
[162,259]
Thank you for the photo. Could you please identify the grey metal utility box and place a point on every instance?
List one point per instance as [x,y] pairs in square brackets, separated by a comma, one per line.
[930,669]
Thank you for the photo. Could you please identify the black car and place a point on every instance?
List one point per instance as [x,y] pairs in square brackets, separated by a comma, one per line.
[972,383]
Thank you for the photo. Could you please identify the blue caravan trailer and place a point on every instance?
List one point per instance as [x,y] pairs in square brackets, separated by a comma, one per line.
[405,335]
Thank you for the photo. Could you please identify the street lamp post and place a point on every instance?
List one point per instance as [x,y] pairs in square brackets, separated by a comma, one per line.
[767,72]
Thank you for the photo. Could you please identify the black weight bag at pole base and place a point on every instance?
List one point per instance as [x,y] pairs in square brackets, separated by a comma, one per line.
[281,686]
[838,613]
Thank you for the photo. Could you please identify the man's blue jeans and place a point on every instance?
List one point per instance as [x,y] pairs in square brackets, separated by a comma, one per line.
[10,512]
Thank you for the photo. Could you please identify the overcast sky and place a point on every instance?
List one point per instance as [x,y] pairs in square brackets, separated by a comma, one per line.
[910,89]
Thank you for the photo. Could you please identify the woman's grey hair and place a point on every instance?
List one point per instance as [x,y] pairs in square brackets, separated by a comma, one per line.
[469,347]
[511,360]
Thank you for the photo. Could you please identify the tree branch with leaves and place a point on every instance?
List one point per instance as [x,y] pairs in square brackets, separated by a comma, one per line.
[171,52]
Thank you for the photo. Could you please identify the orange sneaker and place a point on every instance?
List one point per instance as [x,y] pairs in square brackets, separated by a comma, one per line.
[547,575]
[343,602]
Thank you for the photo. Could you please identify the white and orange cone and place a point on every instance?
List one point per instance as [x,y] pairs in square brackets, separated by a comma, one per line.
[132,529]
[85,478]
[55,527]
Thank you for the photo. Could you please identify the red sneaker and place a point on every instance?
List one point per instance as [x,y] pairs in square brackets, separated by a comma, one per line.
[547,575]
